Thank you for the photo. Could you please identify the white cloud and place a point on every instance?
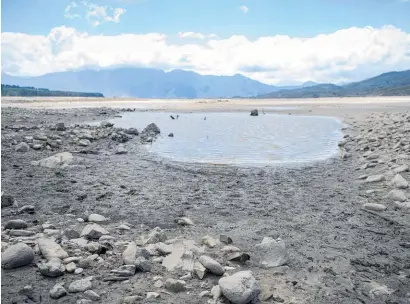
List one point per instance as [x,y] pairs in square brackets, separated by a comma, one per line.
[191,35]
[244,9]
[345,55]
[67,12]
[95,14]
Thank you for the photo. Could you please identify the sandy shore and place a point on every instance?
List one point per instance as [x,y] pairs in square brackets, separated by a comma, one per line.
[337,251]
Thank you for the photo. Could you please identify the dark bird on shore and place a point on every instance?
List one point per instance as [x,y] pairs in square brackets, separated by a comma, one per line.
[177,116]
[172,116]
[205,118]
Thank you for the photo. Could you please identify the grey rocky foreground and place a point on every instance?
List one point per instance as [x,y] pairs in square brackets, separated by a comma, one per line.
[339,231]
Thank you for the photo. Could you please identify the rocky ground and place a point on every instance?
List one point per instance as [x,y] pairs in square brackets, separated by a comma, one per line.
[105,221]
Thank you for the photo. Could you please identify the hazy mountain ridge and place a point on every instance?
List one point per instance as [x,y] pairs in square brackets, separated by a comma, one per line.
[387,84]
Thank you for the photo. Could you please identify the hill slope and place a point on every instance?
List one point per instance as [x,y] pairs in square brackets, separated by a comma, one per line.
[13,90]
[145,83]
[387,84]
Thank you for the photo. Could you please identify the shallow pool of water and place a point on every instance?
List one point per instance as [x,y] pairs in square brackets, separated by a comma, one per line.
[238,138]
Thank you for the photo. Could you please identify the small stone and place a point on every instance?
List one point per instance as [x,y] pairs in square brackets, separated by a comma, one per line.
[199,270]
[84,142]
[212,265]
[399,182]
[53,268]
[21,233]
[132,299]
[97,218]
[175,285]
[22,147]
[27,291]
[27,209]
[78,270]
[396,196]
[92,295]
[123,227]
[152,295]
[240,288]
[230,249]
[93,231]
[184,221]
[93,247]
[129,254]
[254,112]
[271,253]
[83,301]
[71,234]
[121,149]
[60,126]
[204,293]
[58,291]
[17,255]
[158,284]
[80,285]
[16,224]
[125,270]
[37,146]
[209,241]
[71,260]
[106,124]
[142,264]
[50,249]
[70,267]
[401,169]
[374,207]
[216,292]
[156,236]
[375,178]
[46,226]
[171,135]
[225,239]
[7,200]
[239,257]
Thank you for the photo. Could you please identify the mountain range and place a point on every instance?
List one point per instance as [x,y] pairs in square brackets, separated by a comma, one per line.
[155,83]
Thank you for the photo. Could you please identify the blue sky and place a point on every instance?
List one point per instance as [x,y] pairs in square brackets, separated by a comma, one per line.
[264,17]
[273,41]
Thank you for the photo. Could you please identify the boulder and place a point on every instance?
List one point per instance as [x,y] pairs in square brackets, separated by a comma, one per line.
[254,112]
[93,231]
[175,285]
[22,147]
[59,160]
[50,249]
[396,196]
[16,256]
[129,254]
[240,288]
[399,182]
[374,207]
[16,224]
[271,252]
[58,291]
[212,265]
[53,268]
[80,285]
[121,149]
[151,129]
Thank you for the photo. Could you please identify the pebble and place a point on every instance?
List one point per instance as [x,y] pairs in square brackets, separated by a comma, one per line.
[225,239]
[17,255]
[93,231]
[22,147]
[80,285]
[7,200]
[70,267]
[175,285]
[92,295]
[374,207]
[50,249]
[97,218]
[199,270]
[240,288]
[121,149]
[184,221]
[58,291]
[396,195]
[212,265]
[209,241]
[158,284]
[129,254]
[401,169]
[142,264]
[27,209]
[53,268]
[271,252]
[399,182]
[375,178]
[78,270]
[152,295]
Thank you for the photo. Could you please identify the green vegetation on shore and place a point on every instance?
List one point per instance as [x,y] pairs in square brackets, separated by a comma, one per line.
[13,90]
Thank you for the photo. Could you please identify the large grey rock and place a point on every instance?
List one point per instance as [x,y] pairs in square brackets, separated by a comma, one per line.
[16,256]
[92,295]
[58,291]
[180,258]
[50,249]
[375,178]
[152,129]
[143,264]
[254,112]
[175,285]
[271,253]
[81,285]
[97,218]
[7,200]
[16,224]
[399,182]
[129,254]
[53,268]
[59,160]
[396,196]
[22,147]
[212,265]
[374,207]
[93,231]
[240,288]
[401,169]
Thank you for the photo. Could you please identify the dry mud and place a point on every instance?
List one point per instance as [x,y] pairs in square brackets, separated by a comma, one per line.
[338,252]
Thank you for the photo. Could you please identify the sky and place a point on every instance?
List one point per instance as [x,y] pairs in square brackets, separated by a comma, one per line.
[277,42]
